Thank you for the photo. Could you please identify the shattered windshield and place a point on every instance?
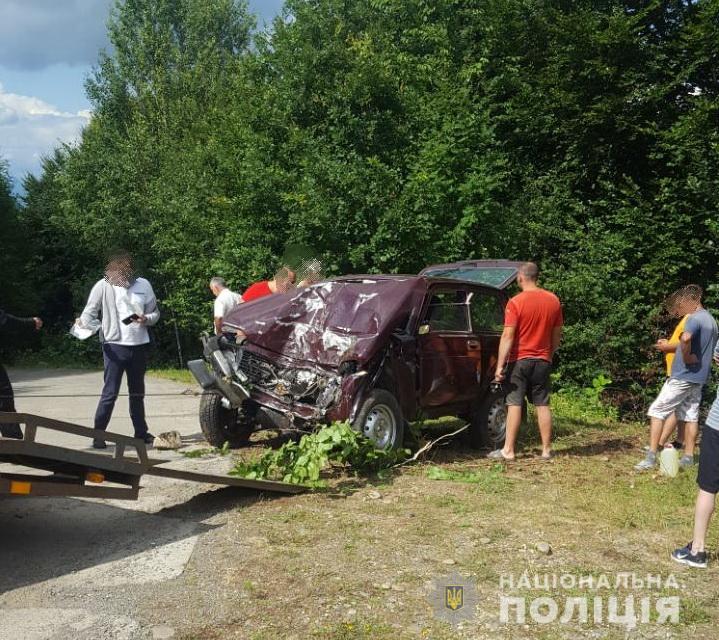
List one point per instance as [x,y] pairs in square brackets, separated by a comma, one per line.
[494,276]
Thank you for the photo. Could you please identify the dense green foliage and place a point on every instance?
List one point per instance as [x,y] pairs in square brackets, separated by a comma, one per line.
[11,240]
[390,134]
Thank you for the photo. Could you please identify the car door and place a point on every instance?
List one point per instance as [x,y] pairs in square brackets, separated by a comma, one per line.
[486,311]
[450,356]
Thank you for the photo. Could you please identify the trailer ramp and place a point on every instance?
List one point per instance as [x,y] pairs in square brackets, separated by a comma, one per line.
[89,474]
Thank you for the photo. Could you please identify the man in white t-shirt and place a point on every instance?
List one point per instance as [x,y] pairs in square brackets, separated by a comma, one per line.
[225,300]
[122,306]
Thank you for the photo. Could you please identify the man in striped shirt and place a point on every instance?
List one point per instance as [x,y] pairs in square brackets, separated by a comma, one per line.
[694,554]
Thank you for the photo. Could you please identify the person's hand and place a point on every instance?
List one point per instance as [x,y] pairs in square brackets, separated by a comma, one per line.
[661,343]
[499,374]
[141,319]
[38,324]
[78,322]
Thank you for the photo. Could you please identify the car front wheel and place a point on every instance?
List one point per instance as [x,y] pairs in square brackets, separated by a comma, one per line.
[380,419]
[220,425]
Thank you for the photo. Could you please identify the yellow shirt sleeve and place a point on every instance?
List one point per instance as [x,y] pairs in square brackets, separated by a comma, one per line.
[678,330]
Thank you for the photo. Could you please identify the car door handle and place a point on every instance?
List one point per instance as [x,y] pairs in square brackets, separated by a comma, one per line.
[474,345]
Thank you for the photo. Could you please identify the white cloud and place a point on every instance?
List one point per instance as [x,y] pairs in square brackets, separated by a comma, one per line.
[36,33]
[31,128]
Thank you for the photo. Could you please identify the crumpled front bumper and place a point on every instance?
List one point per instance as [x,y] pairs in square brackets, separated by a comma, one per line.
[233,391]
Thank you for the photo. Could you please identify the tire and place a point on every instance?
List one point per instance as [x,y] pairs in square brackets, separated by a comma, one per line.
[380,419]
[488,424]
[220,425]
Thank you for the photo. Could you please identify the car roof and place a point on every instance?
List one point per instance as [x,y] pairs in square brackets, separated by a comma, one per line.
[413,279]
[498,274]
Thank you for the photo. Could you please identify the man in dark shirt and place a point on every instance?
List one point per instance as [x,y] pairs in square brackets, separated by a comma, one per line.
[7,398]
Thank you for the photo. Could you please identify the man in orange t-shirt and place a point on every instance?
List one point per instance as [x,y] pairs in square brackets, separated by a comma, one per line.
[532,332]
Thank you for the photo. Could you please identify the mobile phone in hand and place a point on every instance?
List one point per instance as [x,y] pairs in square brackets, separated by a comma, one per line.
[131,319]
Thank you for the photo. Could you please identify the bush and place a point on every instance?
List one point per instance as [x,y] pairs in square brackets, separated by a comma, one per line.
[302,462]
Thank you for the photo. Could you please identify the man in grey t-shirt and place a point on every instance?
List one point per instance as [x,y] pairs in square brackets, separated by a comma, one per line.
[682,392]
[694,554]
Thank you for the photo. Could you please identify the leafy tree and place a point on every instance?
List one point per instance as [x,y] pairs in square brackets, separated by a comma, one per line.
[390,134]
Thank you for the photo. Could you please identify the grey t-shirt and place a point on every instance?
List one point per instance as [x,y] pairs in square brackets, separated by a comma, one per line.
[703,329]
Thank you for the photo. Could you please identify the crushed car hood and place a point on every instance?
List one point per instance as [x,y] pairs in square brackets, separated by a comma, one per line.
[330,322]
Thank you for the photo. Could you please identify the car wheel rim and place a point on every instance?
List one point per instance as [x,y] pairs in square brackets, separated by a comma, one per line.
[380,426]
[497,421]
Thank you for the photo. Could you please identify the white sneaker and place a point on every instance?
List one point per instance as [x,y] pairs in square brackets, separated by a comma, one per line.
[648,463]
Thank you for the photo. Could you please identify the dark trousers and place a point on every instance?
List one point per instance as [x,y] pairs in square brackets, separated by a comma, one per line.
[7,403]
[132,361]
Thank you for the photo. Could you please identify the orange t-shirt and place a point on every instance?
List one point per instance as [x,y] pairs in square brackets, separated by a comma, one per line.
[535,314]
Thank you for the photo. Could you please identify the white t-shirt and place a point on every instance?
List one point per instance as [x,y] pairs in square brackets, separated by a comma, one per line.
[129,301]
[225,301]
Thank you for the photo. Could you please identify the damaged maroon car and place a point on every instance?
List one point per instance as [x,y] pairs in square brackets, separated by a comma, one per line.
[378,351]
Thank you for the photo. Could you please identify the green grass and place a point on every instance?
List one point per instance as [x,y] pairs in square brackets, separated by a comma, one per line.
[176,375]
[492,480]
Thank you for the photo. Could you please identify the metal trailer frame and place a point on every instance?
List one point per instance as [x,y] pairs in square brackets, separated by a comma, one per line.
[79,473]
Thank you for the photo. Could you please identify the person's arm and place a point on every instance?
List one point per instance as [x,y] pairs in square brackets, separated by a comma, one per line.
[6,318]
[556,339]
[685,343]
[666,346]
[505,348]
[218,314]
[151,314]
[507,341]
[90,315]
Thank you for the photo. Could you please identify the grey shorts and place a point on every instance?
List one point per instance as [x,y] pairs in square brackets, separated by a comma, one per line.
[529,379]
[680,397]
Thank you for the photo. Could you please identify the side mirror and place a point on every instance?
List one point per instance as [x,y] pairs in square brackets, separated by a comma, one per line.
[423,329]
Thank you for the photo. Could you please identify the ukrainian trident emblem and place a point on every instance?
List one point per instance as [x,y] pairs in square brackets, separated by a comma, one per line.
[454,597]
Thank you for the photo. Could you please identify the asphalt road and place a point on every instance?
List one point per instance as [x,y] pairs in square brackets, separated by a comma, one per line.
[78,568]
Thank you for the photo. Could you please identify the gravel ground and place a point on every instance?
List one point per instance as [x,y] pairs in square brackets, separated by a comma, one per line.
[77,568]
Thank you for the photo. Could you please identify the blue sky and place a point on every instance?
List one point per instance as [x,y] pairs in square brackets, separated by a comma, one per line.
[47,48]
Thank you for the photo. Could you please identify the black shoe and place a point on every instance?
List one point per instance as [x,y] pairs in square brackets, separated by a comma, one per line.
[11,431]
[99,444]
[685,556]
[148,438]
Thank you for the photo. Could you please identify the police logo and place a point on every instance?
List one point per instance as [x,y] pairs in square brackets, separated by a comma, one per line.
[454,598]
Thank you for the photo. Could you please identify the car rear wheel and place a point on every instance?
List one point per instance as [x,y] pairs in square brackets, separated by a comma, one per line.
[380,419]
[488,425]
[220,425]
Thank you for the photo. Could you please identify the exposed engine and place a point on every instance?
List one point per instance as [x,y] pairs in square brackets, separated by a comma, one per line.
[289,384]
